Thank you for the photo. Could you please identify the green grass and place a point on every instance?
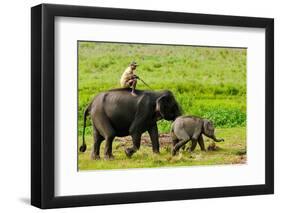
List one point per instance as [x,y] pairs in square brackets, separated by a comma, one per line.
[232,151]
[207,82]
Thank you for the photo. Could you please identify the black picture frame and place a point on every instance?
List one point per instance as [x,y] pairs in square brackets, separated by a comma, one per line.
[43,117]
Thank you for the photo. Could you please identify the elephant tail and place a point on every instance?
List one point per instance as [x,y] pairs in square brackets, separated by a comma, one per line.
[83,147]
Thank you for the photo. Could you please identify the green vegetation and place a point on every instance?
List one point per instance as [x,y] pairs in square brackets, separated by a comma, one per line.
[208,82]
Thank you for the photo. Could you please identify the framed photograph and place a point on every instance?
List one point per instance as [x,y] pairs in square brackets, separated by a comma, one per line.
[140,106]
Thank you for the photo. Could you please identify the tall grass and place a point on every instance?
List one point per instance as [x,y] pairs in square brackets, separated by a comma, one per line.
[208,82]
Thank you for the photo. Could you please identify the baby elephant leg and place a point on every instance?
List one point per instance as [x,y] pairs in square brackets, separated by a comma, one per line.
[195,138]
[201,143]
[179,145]
[183,147]
[193,145]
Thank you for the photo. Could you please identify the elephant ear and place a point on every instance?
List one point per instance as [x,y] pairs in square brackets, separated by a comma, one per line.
[208,127]
[162,106]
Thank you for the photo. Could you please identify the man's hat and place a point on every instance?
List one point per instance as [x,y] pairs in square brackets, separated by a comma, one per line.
[133,63]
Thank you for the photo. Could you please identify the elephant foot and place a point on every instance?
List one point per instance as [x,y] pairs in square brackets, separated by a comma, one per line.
[174,152]
[95,157]
[129,152]
[156,152]
[190,151]
[109,157]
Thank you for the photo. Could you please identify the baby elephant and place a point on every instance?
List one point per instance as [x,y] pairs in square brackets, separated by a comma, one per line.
[186,128]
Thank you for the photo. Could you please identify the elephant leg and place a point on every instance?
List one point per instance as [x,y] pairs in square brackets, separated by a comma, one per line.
[98,138]
[201,143]
[136,145]
[175,140]
[108,148]
[105,128]
[179,145]
[154,137]
[183,147]
[193,144]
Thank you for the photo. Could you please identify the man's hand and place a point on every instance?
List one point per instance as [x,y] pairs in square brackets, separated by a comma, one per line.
[135,76]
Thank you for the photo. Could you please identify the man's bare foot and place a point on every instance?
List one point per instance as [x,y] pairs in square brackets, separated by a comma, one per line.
[133,94]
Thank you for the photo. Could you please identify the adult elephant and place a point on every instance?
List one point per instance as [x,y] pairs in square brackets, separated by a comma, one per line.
[118,113]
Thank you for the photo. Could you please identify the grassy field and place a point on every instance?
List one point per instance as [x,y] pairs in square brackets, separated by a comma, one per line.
[232,151]
[208,82]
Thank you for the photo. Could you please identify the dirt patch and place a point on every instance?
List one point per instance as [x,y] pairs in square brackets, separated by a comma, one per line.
[164,140]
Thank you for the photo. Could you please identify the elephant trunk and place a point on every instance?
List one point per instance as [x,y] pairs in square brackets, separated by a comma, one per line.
[217,140]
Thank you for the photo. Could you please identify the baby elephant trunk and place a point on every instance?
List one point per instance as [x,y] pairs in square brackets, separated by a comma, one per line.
[217,140]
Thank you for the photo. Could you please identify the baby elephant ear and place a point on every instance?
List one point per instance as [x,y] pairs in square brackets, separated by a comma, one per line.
[205,123]
[208,127]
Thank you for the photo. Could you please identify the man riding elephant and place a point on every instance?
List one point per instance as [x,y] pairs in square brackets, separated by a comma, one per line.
[129,78]
[117,113]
